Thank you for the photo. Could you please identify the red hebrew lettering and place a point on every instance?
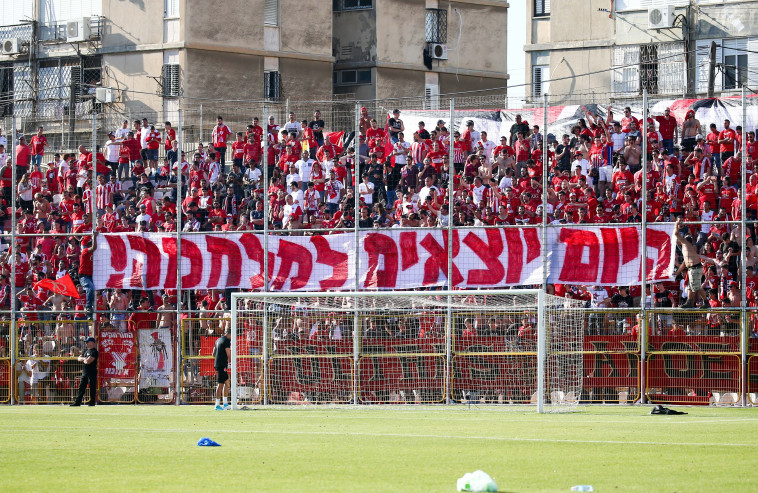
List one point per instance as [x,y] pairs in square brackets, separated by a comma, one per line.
[135,280]
[573,270]
[630,242]
[118,260]
[336,260]
[195,275]
[408,250]
[661,241]
[533,244]
[515,256]
[379,245]
[152,258]
[489,254]
[292,253]
[254,251]
[219,248]
[438,258]
[610,256]
[189,251]
[169,246]
[630,246]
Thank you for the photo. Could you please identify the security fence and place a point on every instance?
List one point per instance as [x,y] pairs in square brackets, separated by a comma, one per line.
[648,351]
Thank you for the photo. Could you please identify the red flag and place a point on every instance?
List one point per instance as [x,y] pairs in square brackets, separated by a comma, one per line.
[65,286]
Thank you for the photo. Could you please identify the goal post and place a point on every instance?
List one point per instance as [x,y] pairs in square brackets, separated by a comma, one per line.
[519,346]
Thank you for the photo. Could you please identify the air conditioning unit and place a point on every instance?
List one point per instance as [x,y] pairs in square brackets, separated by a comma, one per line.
[11,46]
[660,17]
[78,30]
[104,95]
[438,51]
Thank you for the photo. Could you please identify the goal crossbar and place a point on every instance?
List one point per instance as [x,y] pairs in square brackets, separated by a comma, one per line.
[531,301]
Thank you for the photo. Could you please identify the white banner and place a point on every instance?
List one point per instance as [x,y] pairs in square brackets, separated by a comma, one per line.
[156,356]
[609,255]
[389,259]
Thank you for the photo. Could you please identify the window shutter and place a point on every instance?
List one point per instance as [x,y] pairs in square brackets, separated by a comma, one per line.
[537,82]
[171,80]
[271,13]
[271,86]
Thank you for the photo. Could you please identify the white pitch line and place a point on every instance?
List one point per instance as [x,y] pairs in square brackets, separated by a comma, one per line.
[400,435]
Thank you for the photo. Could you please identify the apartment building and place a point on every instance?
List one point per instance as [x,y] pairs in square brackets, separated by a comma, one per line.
[398,48]
[619,47]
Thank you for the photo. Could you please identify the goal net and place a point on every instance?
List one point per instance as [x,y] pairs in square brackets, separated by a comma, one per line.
[476,347]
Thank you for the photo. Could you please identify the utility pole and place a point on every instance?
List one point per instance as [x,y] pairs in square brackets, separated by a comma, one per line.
[712,69]
[689,36]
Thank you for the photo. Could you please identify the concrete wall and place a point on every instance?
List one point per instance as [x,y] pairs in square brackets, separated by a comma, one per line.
[392,83]
[130,72]
[401,35]
[304,80]
[220,75]
[208,24]
[579,62]
[306,27]
[132,23]
[450,83]
[580,20]
[483,37]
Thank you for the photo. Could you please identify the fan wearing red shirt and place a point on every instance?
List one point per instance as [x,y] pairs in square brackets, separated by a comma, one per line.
[375,133]
[38,144]
[732,168]
[627,120]
[668,128]
[727,138]
[238,150]
[170,134]
[436,156]
[153,141]
[727,195]
[220,135]
[85,270]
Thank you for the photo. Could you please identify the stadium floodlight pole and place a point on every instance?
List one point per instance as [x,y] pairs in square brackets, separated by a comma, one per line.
[179,328]
[14,193]
[643,251]
[201,122]
[266,266]
[356,251]
[743,255]
[449,318]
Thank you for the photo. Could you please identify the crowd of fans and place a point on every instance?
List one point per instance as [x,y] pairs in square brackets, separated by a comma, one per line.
[400,177]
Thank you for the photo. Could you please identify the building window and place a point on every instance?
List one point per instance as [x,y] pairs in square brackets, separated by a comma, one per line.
[436,26]
[352,4]
[171,9]
[649,68]
[540,82]
[271,13]
[272,83]
[541,8]
[352,77]
[170,80]
[735,71]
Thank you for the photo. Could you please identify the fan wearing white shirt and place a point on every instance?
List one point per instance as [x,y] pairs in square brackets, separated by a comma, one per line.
[488,147]
[304,166]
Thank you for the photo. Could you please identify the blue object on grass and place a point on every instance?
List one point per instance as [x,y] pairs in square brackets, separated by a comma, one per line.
[207,442]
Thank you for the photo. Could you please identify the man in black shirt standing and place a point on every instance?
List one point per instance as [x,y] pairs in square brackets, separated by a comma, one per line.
[222,352]
[89,373]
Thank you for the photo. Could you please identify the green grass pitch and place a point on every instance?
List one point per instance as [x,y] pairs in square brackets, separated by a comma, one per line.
[375,449]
